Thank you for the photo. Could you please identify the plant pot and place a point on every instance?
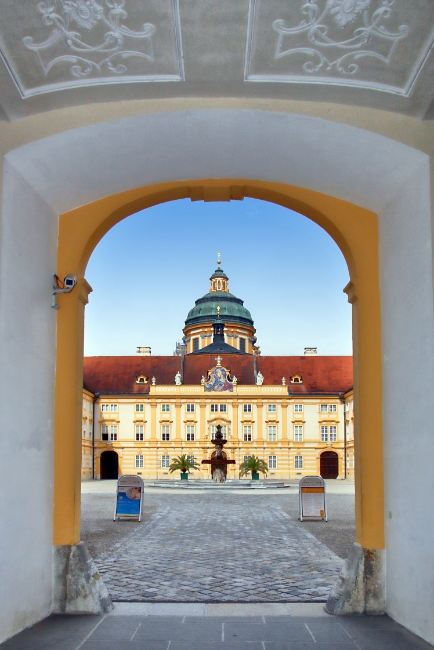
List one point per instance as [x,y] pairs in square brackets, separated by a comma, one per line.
[184,476]
[255,476]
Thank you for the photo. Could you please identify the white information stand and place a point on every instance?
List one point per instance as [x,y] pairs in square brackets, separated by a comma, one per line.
[129,497]
[312,496]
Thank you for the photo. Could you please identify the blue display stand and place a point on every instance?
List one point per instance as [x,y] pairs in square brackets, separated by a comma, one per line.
[129,496]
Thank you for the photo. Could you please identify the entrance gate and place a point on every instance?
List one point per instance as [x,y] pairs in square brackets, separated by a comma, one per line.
[329,464]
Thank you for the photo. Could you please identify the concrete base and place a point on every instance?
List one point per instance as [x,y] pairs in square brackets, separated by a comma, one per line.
[360,589]
[78,587]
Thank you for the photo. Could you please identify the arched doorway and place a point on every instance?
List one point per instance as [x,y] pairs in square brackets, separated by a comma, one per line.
[109,465]
[329,464]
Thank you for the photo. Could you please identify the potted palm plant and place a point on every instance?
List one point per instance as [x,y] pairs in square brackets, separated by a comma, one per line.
[255,465]
[183,464]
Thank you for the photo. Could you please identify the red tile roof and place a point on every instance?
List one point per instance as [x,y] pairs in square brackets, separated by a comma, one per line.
[117,375]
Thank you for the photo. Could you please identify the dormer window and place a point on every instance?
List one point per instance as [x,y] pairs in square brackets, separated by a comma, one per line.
[141,379]
[296,379]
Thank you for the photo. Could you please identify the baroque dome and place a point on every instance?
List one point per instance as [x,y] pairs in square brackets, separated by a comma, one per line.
[232,309]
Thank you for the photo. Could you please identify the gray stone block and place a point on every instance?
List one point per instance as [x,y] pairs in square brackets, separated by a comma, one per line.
[78,587]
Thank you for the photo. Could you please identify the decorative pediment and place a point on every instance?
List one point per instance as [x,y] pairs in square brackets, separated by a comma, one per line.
[296,379]
[141,379]
[219,379]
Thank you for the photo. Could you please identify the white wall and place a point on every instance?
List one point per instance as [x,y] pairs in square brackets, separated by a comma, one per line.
[27,349]
[76,167]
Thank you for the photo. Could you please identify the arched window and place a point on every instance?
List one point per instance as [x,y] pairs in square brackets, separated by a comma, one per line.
[218,284]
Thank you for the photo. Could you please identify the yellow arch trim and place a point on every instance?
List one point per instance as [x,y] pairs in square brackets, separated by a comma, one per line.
[355,231]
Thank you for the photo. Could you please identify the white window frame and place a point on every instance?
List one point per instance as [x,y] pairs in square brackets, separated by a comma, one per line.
[223,408]
[165,408]
[113,408]
[165,460]
[140,432]
[272,462]
[247,408]
[189,433]
[332,408]
[323,408]
[104,432]
[298,462]
[189,408]
[140,408]
[333,433]
[113,432]
[214,429]
[272,433]
[139,462]
[298,433]
[104,408]
[272,408]
[247,433]
[298,408]
[324,433]
[214,408]
[165,432]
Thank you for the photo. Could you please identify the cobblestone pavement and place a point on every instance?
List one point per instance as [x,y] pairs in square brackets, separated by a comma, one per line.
[218,548]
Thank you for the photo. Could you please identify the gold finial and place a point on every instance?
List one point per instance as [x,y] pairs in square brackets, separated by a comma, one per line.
[218,259]
[218,311]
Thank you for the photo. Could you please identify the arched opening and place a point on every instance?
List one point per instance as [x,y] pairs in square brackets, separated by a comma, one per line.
[109,465]
[354,229]
[329,464]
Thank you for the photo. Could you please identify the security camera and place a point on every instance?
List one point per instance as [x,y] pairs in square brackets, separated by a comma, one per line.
[70,281]
[66,286]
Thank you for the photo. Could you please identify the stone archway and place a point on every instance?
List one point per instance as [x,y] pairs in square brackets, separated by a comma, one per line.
[329,464]
[355,183]
[109,465]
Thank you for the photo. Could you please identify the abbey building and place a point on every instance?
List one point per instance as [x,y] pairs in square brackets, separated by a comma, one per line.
[294,412]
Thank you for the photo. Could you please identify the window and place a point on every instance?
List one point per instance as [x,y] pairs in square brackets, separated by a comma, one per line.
[140,408]
[195,345]
[298,462]
[333,433]
[165,432]
[191,458]
[272,462]
[246,458]
[114,432]
[139,432]
[139,461]
[332,408]
[272,408]
[104,408]
[323,408]
[296,379]
[247,432]
[242,345]
[247,408]
[214,408]
[272,433]
[298,408]
[104,432]
[84,434]
[165,461]
[298,433]
[190,433]
[222,408]
[324,434]
[190,408]
[165,408]
[113,408]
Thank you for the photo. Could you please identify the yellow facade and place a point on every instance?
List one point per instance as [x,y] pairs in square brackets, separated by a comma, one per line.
[290,433]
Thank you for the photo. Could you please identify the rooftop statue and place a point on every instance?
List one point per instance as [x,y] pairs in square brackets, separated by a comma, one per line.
[259,379]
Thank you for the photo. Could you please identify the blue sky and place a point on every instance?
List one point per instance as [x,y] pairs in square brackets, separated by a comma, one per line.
[147,272]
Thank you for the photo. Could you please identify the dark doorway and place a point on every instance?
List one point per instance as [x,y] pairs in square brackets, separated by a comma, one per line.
[329,464]
[109,465]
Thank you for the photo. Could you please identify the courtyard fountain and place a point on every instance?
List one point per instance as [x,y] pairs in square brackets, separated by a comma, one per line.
[219,460]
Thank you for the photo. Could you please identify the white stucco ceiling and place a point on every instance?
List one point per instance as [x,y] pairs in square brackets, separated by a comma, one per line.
[57,53]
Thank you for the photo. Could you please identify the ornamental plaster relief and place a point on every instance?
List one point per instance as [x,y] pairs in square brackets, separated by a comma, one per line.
[378,44]
[60,44]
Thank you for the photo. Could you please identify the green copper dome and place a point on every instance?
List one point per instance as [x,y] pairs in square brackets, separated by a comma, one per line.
[231,309]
